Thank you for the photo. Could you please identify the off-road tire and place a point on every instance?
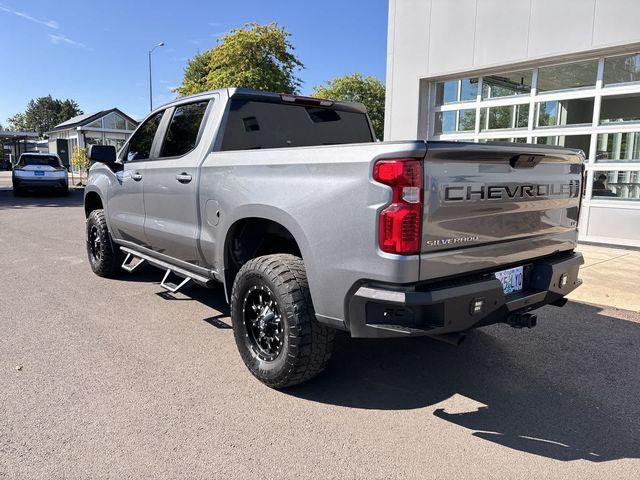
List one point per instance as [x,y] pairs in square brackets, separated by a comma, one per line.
[107,263]
[307,344]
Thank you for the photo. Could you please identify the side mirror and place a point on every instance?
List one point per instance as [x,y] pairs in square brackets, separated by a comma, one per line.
[103,153]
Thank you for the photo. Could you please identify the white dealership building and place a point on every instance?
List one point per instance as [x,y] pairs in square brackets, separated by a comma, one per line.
[555,72]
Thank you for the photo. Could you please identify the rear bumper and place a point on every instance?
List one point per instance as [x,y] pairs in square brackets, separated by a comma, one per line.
[379,312]
[45,183]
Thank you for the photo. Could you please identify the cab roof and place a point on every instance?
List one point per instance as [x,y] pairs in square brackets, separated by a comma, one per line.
[252,94]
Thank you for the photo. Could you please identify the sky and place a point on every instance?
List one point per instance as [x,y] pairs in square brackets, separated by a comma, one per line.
[95,52]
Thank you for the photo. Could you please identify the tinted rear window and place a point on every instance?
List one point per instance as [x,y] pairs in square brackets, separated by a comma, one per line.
[254,125]
[39,160]
[182,133]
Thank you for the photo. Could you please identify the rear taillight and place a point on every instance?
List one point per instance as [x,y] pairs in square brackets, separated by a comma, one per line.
[401,221]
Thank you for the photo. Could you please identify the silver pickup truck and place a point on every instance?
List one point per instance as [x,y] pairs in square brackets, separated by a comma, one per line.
[311,225]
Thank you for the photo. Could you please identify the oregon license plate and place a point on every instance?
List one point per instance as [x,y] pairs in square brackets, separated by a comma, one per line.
[511,279]
[39,174]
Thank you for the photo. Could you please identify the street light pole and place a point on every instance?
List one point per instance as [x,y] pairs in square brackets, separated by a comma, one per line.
[161,44]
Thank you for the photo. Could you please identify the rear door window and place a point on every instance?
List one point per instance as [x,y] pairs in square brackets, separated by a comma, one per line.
[255,125]
[140,144]
[49,160]
[182,134]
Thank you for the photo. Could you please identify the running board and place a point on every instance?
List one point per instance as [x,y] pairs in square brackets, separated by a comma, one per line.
[180,272]
[128,265]
[170,286]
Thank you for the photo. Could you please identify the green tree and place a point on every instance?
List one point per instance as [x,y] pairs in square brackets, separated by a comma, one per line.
[17,122]
[80,160]
[68,109]
[195,74]
[255,56]
[44,113]
[355,88]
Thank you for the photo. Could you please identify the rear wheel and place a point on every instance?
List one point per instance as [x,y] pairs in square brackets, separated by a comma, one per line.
[104,257]
[274,324]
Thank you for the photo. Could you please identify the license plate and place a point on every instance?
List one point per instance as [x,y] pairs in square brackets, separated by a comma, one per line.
[511,279]
[39,174]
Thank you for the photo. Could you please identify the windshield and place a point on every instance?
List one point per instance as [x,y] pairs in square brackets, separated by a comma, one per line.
[39,160]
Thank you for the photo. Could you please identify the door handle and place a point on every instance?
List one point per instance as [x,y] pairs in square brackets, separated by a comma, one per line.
[183,177]
[136,176]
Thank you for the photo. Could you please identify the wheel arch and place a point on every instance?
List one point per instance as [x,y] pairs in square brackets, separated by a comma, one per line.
[261,232]
[92,201]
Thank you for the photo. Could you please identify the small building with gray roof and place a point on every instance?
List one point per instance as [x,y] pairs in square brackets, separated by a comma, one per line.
[106,127]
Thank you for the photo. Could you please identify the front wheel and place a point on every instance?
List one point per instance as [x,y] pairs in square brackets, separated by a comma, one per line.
[274,324]
[104,257]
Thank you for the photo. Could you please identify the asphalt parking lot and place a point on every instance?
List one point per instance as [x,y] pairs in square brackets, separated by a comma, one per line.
[116,379]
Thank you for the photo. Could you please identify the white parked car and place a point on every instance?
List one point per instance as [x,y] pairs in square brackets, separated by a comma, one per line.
[39,171]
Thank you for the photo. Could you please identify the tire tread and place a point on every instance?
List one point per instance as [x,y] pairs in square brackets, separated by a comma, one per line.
[310,343]
[111,260]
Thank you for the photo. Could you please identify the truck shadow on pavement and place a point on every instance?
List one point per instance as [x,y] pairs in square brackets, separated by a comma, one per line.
[567,390]
[40,199]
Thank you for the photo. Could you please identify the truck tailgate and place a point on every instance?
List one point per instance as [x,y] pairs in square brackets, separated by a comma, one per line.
[489,205]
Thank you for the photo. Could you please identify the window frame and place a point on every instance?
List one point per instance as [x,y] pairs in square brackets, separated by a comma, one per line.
[152,149]
[618,84]
[169,113]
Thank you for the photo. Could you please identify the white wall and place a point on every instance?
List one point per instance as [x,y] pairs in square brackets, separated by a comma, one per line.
[435,38]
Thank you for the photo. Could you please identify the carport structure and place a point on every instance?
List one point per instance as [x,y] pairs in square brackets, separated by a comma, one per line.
[17,142]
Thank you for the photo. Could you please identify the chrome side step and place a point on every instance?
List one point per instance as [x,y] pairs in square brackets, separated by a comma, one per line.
[128,265]
[172,287]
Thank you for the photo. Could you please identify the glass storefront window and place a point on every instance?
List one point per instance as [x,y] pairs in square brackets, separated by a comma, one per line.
[618,147]
[467,119]
[581,142]
[621,184]
[620,108]
[507,84]
[113,121]
[508,116]
[445,122]
[116,142]
[446,92]
[109,121]
[508,121]
[618,70]
[568,76]
[95,124]
[93,139]
[451,91]
[115,139]
[565,112]
[468,89]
